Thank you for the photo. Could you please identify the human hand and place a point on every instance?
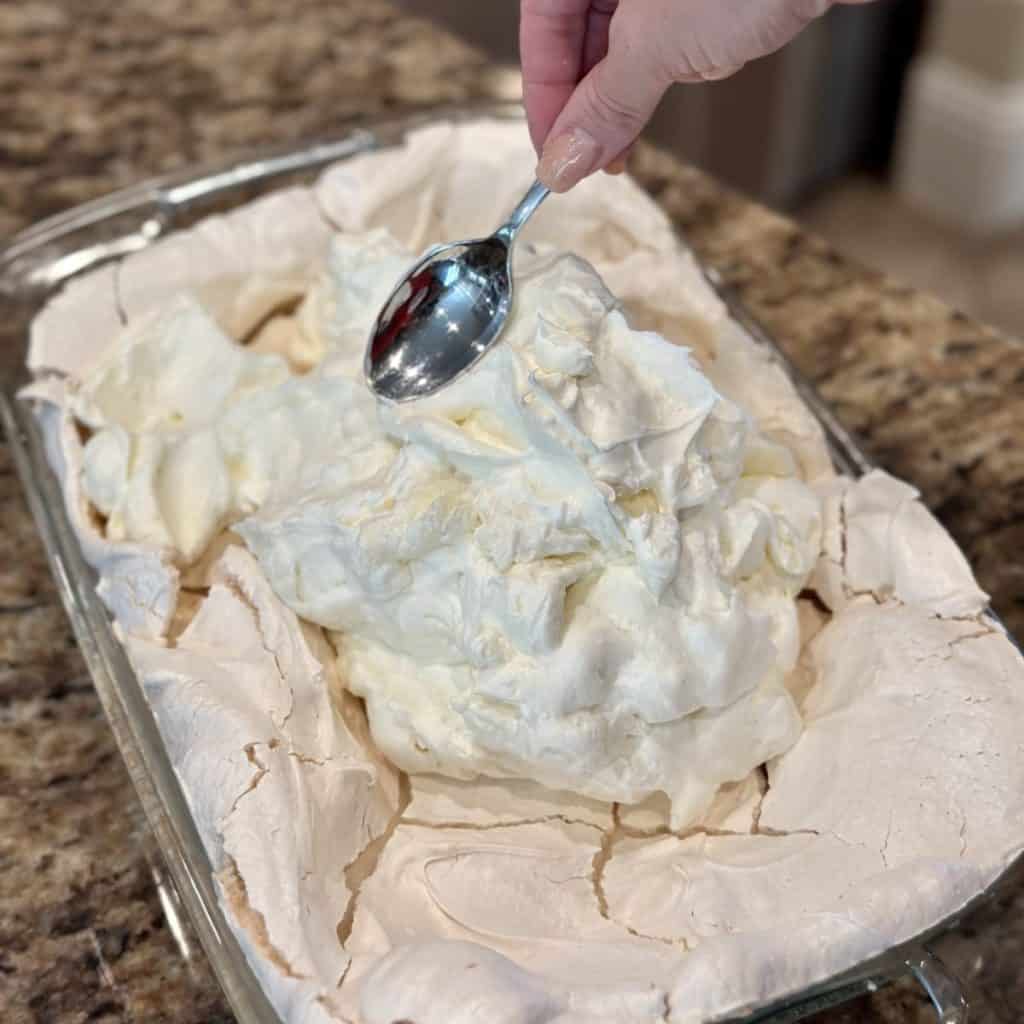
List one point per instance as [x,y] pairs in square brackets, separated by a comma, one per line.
[594,70]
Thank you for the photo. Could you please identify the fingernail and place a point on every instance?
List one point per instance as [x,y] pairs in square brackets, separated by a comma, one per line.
[568,159]
[617,166]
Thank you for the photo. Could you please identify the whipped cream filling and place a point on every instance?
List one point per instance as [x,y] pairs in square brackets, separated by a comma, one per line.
[576,565]
[192,432]
[431,897]
[564,572]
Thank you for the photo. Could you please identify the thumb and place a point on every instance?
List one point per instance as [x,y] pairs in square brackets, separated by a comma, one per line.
[606,112]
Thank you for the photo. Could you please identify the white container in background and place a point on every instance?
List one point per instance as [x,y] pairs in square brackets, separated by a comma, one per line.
[961,146]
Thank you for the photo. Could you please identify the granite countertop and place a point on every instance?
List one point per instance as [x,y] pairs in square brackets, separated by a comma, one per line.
[95,96]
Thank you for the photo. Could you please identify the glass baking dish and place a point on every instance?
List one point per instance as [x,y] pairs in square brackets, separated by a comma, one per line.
[33,266]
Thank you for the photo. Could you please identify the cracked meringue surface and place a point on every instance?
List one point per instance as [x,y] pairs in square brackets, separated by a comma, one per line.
[663,720]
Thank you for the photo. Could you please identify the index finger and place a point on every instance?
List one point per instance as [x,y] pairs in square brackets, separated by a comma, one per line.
[552,34]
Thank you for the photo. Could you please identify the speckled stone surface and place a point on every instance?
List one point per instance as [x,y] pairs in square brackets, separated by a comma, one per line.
[99,94]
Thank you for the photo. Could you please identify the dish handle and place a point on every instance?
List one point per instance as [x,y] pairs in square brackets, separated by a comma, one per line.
[942,988]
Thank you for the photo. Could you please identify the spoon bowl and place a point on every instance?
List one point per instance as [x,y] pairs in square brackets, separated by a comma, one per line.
[446,313]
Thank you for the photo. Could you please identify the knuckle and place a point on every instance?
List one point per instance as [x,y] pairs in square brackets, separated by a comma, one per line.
[609,108]
[681,68]
[684,62]
[807,10]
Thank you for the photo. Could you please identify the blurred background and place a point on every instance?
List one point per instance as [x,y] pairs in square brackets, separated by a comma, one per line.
[895,130]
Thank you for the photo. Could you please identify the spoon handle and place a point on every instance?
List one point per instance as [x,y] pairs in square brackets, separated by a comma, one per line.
[524,211]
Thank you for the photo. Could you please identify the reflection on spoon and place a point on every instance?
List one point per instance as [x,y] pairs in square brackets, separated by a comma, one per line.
[446,313]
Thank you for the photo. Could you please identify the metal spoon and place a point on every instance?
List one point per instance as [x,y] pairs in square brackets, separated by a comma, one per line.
[446,313]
